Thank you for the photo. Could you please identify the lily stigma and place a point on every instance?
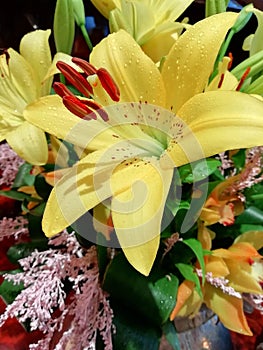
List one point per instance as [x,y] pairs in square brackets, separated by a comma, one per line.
[138,124]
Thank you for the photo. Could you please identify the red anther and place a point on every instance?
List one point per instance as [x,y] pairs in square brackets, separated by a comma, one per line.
[61,90]
[75,78]
[98,108]
[92,104]
[75,106]
[108,84]
[250,261]
[243,78]
[221,81]
[87,68]
[231,60]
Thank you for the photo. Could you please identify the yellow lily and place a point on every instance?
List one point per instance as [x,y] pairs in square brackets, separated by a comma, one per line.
[106,6]
[158,31]
[133,152]
[24,78]
[229,272]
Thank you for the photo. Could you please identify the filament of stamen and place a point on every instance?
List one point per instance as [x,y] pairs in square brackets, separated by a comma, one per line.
[243,78]
[221,80]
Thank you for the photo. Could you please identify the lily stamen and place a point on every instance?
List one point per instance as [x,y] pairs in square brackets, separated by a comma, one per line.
[87,67]
[75,78]
[243,78]
[61,90]
[221,80]
[75,106]
[109,84]
[231,61]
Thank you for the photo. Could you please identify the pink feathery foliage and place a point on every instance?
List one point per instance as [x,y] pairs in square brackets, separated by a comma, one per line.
[226,163]
[16,227]
[251,174]
[68,320]
[9,164]
[253,171]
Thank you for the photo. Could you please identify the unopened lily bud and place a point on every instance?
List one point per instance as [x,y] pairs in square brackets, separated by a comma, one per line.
[79,12]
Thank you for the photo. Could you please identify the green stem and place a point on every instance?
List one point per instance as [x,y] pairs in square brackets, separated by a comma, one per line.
[86,36]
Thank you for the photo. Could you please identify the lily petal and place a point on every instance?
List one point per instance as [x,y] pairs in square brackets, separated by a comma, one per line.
[29,142]
[218,121]
[105,6]
[217,266]
[51,115]
[242,279]
[137,212]
[85,185]
[131,69]
[34,47]
[228,308]
[185,290]
[24,78]
[255,238]
[191,59]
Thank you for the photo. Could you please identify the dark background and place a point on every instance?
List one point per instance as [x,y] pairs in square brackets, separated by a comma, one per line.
[18,17]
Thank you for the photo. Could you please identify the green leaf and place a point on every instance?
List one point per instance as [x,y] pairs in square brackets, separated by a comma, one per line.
[239,159]
[188,273]
[196,247]
[37,211]
[43,189]
[24,176]
[132,332]
[251,215]
[198,171]
[9,291]
[102,252]
[19,196]
[153,297]
[64,26]
[250,227]
[170,334]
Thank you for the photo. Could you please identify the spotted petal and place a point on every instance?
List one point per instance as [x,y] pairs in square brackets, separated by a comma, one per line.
[217,121]
[137,212]
[136,75]
[49,114]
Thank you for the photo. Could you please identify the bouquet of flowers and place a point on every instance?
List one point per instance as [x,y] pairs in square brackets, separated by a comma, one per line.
[131,180]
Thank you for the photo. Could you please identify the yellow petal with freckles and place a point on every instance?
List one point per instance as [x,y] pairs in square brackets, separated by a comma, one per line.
[29,143]
[218,121]
[78,188]
[228,308]
[190,61]
[51,115]
[86,185]
[137,212]
[136,75]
